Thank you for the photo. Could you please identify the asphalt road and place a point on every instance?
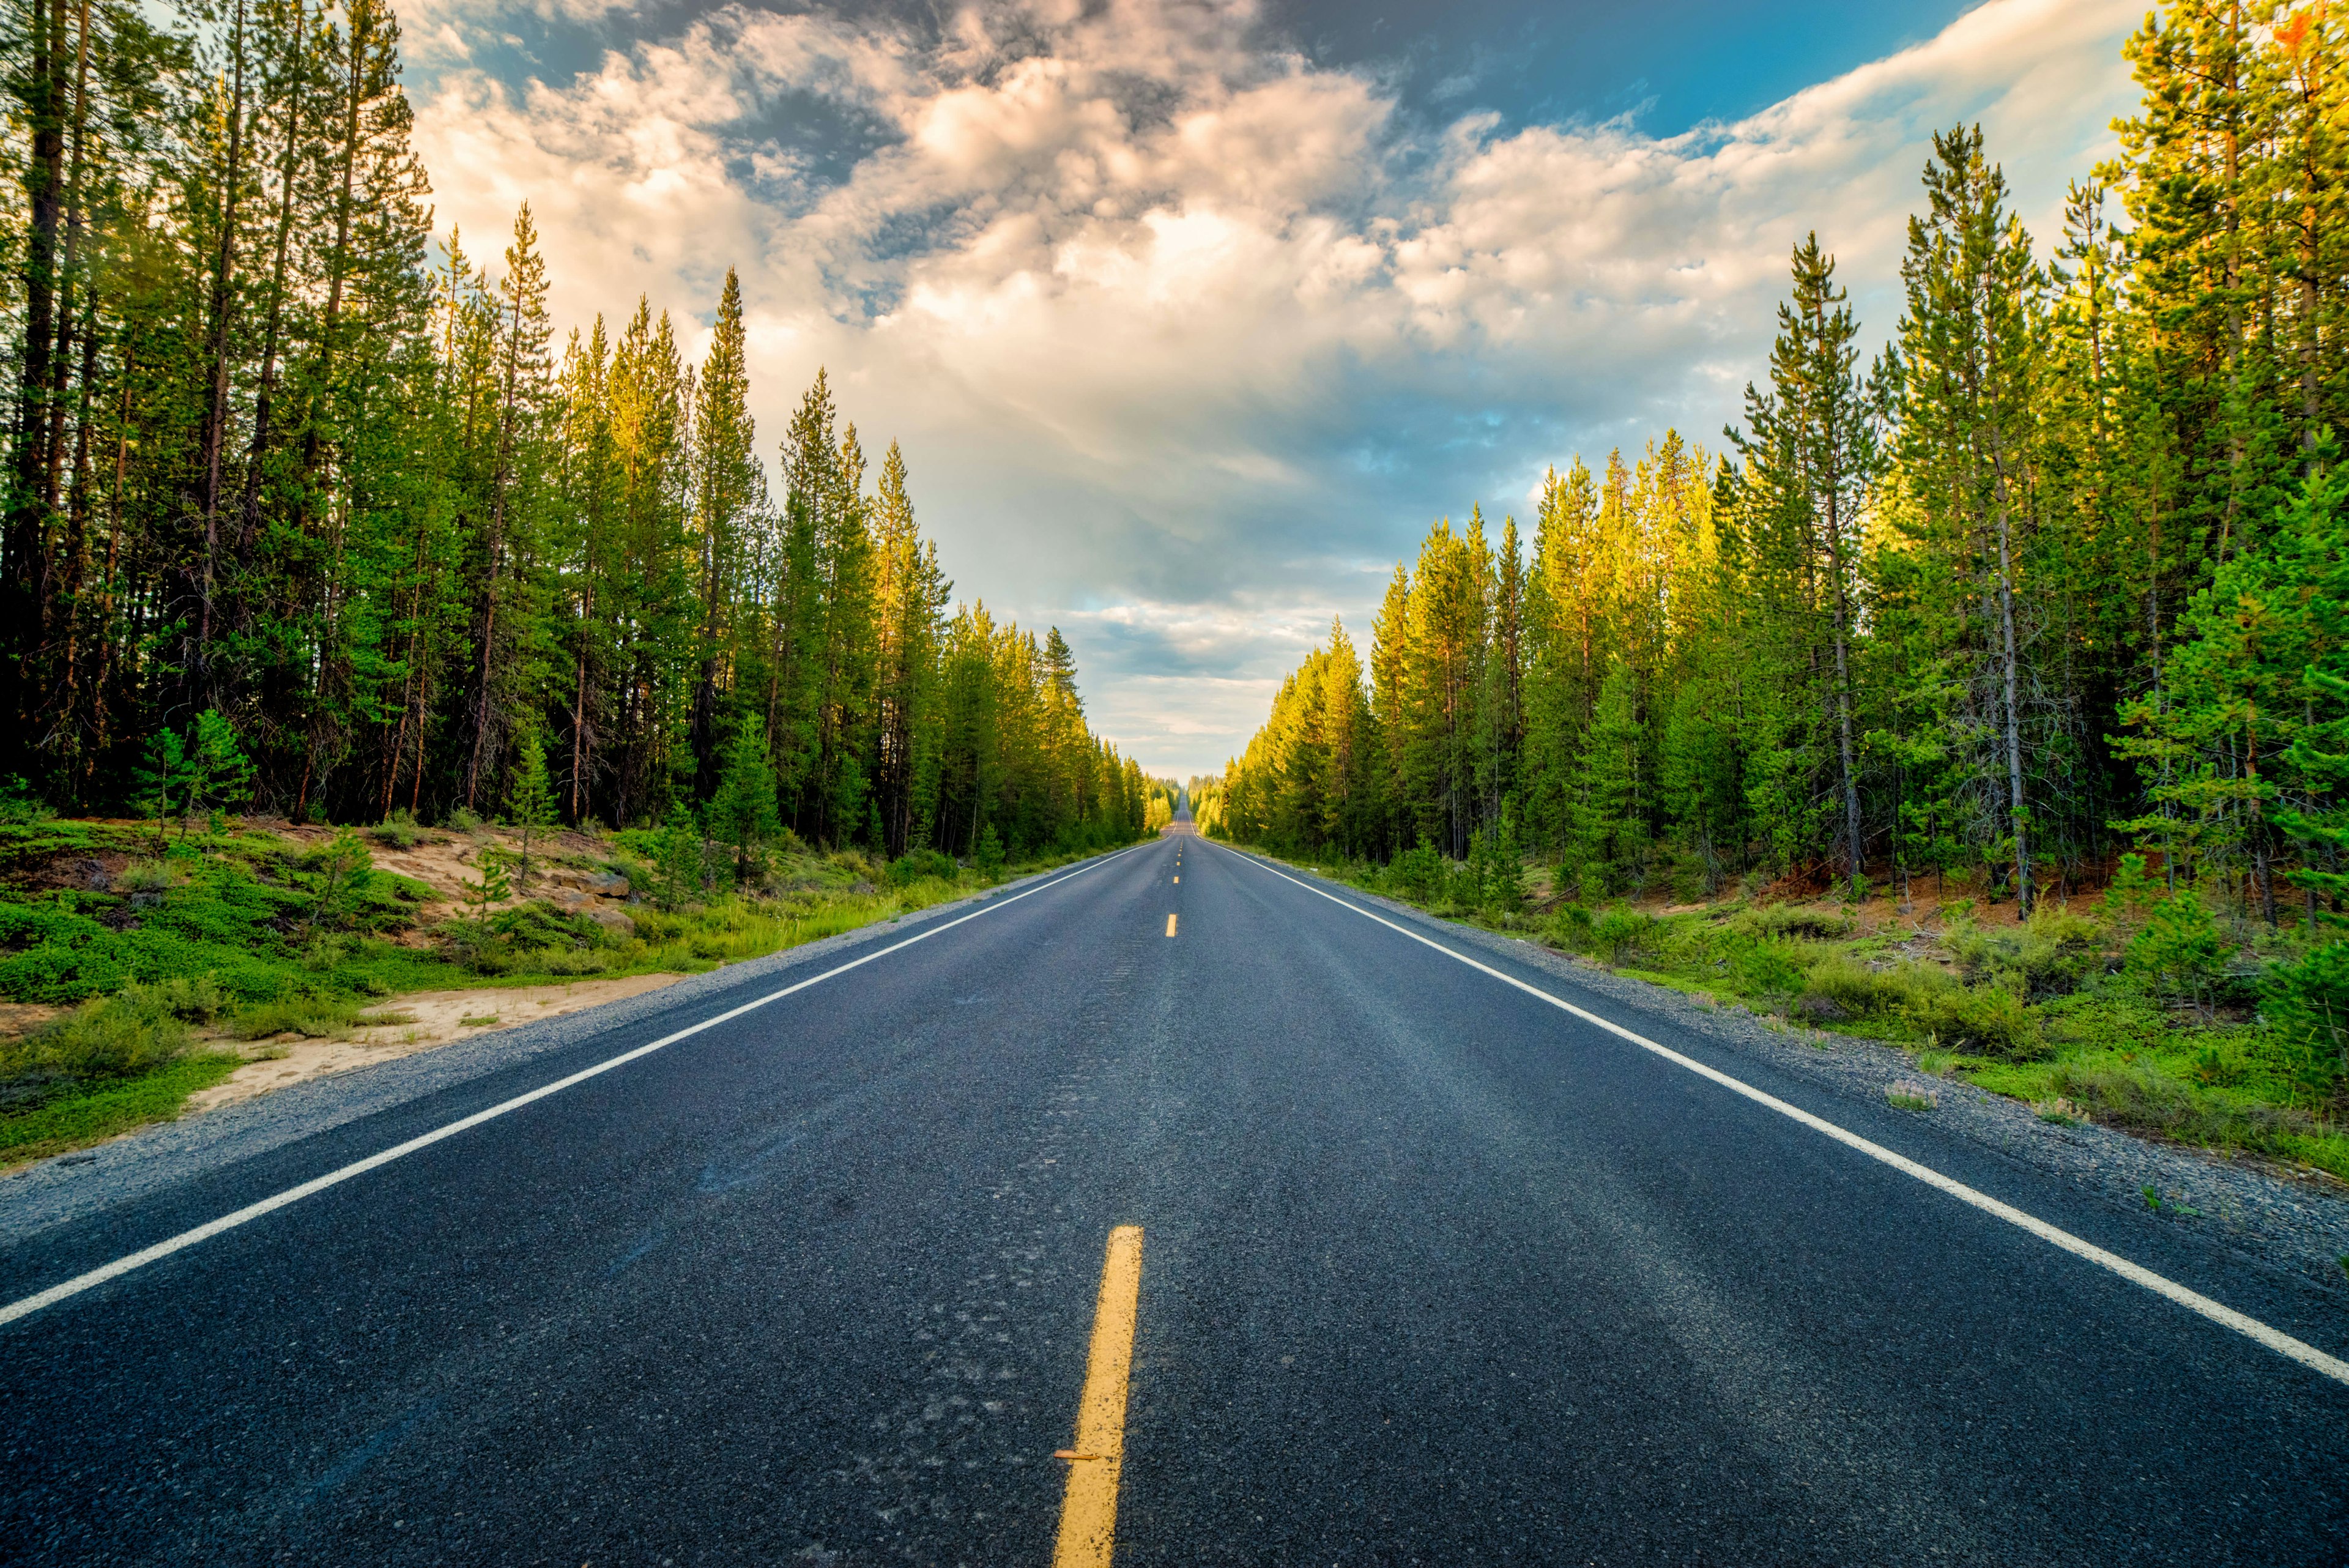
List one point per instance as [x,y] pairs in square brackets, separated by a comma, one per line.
[1433,1273]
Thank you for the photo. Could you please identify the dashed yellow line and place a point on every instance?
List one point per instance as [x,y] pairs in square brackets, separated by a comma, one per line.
[1170,925]
[1089,1508]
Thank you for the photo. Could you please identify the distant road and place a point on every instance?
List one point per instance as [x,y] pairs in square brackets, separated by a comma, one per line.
[1429,1271]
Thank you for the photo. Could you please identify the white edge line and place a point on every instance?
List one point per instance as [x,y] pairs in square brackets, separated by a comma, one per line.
[251,1211]
[2283,1343]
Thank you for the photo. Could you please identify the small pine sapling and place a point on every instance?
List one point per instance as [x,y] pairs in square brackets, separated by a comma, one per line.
[218,774]
[344,866]
[743,815]
[529,802]
[490,887]
[162,779]
[682,863]
[2181,951]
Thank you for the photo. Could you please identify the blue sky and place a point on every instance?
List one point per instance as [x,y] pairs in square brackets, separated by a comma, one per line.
[1190,315]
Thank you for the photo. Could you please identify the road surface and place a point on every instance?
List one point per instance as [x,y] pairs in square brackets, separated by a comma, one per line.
[1430,1271]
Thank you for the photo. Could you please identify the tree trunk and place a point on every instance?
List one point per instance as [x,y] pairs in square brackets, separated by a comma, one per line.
[216,428]
[2013,718]
[25,546]
[362,15]
[264,398]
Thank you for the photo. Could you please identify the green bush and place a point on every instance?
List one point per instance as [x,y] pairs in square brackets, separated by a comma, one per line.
[400,830]
[1570,927]
[2181,954]
[1416,874]
[310,1015]
[918,864]
[1621,932]
[2138,1096]
[2048,954]
[1982,1020]
[148,879]
[192,999]
[1837,987]
[1768,967]
[566,961]
[105,1041]
[2305,1006]
[1783,920]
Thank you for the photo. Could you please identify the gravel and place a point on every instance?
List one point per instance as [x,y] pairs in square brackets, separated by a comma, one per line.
[71,1187]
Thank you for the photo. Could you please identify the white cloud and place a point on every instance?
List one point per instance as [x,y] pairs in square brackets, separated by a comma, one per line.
[1179,333]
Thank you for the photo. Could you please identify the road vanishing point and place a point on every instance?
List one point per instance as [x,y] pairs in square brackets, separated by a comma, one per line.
[1237,1220]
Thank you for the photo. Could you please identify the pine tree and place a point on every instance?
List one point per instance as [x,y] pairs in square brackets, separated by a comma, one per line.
[743,815]
[529,802]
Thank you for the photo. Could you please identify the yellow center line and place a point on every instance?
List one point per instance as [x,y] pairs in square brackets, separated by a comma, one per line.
[1178,878]
[1089,1508]
[1170,925]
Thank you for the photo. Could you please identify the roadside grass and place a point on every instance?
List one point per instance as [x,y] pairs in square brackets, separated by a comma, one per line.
[77,1120]
[251,936]
[2045,1012]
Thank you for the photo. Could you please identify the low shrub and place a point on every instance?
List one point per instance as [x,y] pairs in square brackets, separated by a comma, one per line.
[147,880]
[107,1040]
[2048,954]
[1569,927]
[855,862]
[1767,967]
[539,925]
[1618,933]
[1981,1021]
[400,830]
[192,999]
[1416,874]
[1836,988]
[312,1016]
[2136,1096]
[2181,954]
[2306,1008]
[1792,920]
[918,864]
[566,961]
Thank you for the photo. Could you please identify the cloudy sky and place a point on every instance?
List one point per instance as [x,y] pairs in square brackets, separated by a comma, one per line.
[1190,315]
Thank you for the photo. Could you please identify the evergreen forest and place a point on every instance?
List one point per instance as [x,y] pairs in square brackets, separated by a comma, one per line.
[299,501]
[2062,572]
[2052,591]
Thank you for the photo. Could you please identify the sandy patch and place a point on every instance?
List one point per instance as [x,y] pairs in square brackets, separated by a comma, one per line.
[439,1018]
[19,1018]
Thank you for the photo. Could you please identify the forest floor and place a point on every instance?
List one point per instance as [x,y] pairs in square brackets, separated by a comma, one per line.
[2043,1011]
[144,974]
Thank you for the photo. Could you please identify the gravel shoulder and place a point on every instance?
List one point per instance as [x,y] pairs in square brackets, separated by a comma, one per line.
[75,1186]
[2271,1215]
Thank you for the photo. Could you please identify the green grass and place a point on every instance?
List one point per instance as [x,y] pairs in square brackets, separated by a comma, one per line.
[85,1117]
